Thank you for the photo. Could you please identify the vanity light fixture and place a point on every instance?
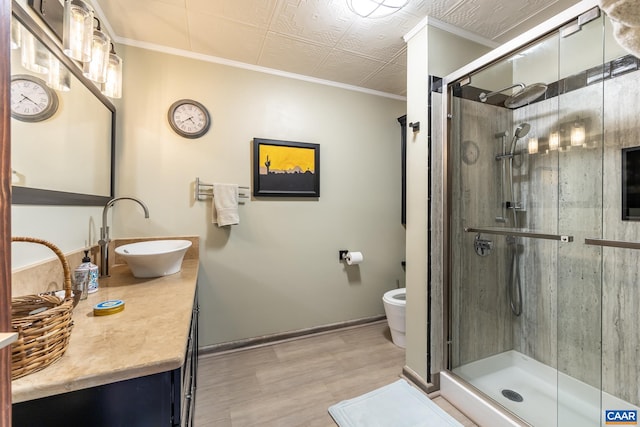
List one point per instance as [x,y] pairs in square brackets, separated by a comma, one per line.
[577,135]
[533,145]
[376,8]
[33,56]
[16,33]
[554,141]
[113,85]
[58,77]
[96,68]
[77,30]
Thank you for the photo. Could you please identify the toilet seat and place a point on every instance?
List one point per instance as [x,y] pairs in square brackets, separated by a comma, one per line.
[397,297]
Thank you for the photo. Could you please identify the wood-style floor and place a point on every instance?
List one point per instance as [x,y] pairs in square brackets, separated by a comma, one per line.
[293,383]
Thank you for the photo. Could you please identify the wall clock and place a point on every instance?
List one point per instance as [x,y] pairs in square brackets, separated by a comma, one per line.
[189,118]
[31,99]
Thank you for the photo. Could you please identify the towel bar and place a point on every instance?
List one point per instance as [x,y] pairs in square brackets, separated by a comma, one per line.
[203,191]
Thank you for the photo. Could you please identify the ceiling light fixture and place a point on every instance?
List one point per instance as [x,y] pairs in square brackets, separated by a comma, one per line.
[376,8]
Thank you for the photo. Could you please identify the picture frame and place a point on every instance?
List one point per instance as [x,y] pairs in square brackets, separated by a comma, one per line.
[285,168]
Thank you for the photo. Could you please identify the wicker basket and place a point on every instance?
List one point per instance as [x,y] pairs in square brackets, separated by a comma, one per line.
[43,323]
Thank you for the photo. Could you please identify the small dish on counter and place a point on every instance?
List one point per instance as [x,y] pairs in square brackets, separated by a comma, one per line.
[154,258]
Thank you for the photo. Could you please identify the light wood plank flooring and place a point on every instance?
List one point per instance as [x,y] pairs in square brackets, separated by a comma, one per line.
[293,383]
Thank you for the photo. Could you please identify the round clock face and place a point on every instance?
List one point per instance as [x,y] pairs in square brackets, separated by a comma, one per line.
[31,99]
[189,118]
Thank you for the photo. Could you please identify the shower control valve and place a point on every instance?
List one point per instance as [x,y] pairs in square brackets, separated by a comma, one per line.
[482,247]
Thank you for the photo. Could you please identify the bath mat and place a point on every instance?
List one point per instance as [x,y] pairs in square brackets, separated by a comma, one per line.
[395,405]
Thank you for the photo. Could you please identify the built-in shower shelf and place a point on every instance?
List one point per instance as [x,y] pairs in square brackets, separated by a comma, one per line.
[612,243]
[519,232]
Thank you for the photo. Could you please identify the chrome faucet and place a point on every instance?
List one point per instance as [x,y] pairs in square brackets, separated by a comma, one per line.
[104,232]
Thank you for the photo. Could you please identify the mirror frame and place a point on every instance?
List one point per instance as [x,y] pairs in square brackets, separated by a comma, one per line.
[37,196]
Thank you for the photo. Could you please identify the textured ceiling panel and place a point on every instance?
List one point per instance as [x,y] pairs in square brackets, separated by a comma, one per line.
[250,12]
[225,39]
[318,21]
[392,78]
[319,38]
[375,38]
[163,24]
[341,66]
[277,49]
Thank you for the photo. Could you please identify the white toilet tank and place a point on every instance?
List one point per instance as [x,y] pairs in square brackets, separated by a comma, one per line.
[395,302]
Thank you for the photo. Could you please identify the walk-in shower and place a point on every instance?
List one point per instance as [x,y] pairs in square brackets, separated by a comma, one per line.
[542,285]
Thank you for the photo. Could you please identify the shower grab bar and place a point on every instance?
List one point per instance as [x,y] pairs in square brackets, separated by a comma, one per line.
[519,232]
[612,243]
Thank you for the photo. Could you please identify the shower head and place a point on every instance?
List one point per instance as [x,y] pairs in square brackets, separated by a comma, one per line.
[525,95]
[520,132]
[484,96]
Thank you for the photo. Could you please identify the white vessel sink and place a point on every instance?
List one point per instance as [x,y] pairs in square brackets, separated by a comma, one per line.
[154,258]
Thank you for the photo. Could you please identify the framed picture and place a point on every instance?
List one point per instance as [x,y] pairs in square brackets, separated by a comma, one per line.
[285,168]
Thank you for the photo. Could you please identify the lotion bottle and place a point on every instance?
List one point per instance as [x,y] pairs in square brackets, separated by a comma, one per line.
[93,272]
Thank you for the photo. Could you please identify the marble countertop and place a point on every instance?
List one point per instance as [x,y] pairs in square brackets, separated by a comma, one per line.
[148,337]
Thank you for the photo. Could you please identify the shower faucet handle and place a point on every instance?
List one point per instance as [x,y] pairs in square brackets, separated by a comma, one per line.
[482,247]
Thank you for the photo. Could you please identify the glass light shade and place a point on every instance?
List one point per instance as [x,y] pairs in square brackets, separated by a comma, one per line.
[113,86]
[376,8]
[96,69]
[577,135]
[533,145]
[58,77]
[16,33]
[33,55]
[77,30]
[554,141]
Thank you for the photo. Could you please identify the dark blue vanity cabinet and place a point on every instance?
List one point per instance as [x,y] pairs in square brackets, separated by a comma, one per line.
[165,399]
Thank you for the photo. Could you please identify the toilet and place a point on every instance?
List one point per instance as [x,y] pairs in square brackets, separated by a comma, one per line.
[395,302]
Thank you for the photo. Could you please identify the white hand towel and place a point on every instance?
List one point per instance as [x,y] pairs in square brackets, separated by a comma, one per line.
[628,38]
[626,12]
[225,204]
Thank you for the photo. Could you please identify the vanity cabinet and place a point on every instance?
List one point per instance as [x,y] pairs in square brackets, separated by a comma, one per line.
[165,399]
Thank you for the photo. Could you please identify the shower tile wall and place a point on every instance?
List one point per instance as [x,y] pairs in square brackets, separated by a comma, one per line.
[481,325]
[436,328]
[562,193]
[580,302]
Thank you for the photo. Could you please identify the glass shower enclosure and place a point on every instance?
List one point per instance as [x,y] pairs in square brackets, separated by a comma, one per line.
[543,283]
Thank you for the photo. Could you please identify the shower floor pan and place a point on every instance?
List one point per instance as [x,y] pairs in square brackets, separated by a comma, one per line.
[548,398]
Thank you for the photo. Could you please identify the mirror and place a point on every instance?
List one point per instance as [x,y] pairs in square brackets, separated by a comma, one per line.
[62,155]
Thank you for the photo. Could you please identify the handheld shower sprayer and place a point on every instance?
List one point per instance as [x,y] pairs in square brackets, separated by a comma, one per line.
[521,131]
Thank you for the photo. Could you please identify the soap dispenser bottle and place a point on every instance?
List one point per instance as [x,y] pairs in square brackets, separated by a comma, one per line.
[93,272]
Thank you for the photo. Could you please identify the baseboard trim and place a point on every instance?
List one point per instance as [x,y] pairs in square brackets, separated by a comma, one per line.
[271,339]
[427,387]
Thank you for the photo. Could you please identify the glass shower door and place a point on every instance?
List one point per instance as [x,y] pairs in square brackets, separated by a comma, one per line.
[618,243]
[579,124]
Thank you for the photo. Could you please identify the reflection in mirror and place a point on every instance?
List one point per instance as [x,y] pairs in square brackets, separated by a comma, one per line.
[63,155]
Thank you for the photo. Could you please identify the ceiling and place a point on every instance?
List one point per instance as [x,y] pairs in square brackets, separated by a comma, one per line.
[321,39]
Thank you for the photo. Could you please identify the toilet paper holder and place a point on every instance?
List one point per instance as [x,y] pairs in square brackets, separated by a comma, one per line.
[350,257]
